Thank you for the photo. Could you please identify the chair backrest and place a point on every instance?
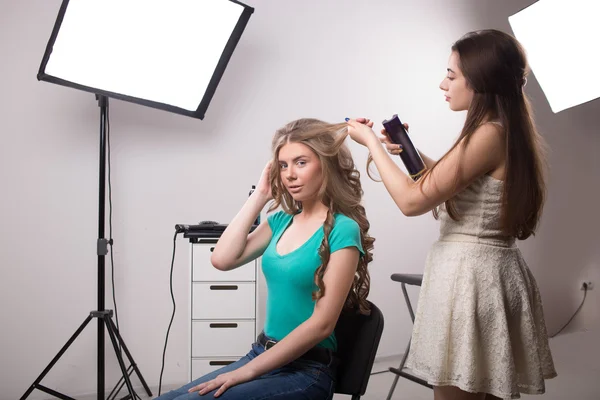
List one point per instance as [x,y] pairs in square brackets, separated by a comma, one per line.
[358,339]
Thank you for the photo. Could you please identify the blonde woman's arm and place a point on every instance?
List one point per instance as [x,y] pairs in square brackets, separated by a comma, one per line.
[235,246]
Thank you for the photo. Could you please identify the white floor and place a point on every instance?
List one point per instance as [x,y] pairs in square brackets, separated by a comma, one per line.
[576,357]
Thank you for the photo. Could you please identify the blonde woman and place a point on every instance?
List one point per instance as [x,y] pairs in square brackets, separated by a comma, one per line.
[315,254]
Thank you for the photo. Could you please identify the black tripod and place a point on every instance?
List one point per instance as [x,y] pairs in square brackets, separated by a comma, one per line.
[104,316]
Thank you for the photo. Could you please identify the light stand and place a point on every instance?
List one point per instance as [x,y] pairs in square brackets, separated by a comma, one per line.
[169,55]
[104,316]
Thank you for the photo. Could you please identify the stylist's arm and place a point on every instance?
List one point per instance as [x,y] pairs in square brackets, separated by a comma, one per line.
[398,184]
[462,165]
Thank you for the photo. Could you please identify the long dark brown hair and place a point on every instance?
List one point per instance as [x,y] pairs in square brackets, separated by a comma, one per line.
[341,192]
[495,67]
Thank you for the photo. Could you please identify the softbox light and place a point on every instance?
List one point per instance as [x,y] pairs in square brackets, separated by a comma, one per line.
[562,41]
[166,54]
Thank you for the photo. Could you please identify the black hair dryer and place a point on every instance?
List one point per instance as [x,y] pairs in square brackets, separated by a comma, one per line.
[410,156]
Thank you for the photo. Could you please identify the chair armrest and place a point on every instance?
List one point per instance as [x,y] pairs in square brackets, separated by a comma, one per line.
[409,279]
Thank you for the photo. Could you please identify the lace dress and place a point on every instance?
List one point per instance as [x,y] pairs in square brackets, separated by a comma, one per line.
[479,322]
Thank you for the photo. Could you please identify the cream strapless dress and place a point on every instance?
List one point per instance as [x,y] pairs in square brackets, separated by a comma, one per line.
[479,323]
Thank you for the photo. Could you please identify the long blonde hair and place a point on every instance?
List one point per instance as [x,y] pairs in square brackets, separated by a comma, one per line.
[340,191]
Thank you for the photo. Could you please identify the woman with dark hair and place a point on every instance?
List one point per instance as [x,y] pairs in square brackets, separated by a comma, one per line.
[479,330]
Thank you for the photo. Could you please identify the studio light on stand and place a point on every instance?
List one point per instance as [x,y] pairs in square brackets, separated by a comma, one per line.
[562,39]
[165,54]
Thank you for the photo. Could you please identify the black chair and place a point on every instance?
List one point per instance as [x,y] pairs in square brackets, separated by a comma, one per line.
[415,280]
[358,339]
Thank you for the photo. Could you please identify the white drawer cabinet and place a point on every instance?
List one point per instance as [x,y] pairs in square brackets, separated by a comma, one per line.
[223,311]
[202,269]
[206,333]
[203,366]
[224,300]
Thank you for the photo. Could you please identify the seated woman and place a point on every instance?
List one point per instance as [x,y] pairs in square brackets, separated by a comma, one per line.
[314,257]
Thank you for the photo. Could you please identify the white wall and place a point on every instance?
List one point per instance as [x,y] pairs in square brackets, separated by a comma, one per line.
[329,60]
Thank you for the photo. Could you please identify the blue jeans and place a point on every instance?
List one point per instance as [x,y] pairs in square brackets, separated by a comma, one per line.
[300,379]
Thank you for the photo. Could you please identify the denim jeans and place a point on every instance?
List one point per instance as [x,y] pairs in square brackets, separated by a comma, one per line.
[300,379]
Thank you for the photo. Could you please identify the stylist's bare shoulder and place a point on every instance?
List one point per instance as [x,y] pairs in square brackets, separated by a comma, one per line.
[498,134]
[487,148]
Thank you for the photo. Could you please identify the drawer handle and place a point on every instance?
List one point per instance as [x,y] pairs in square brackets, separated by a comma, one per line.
[227,325]
[220,362]
[212,249]
[223,287]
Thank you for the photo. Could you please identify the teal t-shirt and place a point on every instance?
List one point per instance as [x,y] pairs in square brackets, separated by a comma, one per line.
[291,277]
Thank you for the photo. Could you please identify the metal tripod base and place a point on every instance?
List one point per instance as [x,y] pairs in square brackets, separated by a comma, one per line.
[104,317]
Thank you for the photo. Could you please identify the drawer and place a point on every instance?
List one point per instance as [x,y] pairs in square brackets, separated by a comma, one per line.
[201,367]
[203,270]
[232,300]
[222,338]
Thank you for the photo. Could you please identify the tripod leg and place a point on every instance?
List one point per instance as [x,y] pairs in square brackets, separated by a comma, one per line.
[119,385]
[128,354]
[57,357]
[113,339]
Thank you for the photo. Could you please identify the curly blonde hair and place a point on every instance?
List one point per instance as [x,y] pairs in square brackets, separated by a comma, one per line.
[341,191]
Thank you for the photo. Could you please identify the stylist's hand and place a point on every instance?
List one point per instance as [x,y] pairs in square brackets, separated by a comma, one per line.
[360,130]
[263,188]
[391,147]
[224,381]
